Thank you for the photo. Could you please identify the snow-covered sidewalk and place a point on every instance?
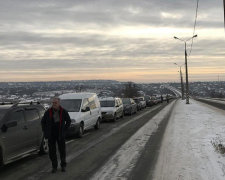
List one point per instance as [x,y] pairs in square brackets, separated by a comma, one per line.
[188,150]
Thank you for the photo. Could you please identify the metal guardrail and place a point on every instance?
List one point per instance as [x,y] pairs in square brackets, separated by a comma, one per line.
[213,102]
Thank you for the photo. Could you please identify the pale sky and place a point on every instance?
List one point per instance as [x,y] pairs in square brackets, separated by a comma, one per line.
[125,40]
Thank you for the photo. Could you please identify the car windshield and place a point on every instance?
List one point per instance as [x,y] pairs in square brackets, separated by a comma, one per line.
[107,103]
[126,101]
[2,113]
[71,105]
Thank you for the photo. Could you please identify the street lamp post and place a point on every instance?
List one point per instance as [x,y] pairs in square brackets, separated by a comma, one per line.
[181,82]
[186,66]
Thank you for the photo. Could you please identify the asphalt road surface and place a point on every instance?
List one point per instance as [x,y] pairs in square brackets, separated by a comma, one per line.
[87,155]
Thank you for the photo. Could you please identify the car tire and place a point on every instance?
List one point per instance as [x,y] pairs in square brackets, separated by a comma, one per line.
[97,125]
[44,146]
[1,158]
[81,131]
[114,118]
[130,112]
[122,116]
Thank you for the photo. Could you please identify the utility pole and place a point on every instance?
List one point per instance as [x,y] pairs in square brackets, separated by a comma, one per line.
[182,84]
[186,67]
[181,81]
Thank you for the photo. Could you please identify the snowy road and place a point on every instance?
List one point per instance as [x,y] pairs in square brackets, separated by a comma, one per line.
[164,142]
[124,160]
[187,151]
[85,156]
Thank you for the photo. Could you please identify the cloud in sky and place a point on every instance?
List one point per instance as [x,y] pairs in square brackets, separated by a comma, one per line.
[108,39]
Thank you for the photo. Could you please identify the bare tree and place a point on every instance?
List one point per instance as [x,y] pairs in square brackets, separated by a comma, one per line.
[130,90]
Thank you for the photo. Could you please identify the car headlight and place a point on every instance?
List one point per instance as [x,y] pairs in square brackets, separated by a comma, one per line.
[73,121]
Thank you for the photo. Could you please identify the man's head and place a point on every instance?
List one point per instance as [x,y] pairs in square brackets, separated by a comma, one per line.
[55,103]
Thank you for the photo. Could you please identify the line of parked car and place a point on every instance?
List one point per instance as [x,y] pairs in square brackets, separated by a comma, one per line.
[20,123]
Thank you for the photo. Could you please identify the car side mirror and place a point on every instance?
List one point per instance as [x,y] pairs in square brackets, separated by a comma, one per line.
[86,109]
[5,127]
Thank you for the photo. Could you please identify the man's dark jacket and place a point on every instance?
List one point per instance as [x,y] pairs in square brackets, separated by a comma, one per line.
[47,122]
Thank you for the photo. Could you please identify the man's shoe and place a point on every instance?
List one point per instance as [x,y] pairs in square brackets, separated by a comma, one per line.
[54,170]
[63,169]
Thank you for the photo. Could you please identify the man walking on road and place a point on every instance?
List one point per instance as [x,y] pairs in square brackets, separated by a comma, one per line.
[55,122]
[167,98]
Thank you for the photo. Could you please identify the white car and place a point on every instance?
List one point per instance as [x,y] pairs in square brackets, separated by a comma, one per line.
[143,102]
[112,108]
[84,110]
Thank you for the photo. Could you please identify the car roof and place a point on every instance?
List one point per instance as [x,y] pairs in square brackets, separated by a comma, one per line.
[12,106]
[107,99]
[6,106]
[76,95]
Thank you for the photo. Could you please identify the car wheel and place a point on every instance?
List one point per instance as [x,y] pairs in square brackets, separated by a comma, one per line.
[1,158]
[81,131]
[44,146]
[114,118]
[97,125]
[122,116]
[130,112]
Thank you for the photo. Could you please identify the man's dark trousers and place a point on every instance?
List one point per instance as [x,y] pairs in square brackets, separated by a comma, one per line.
[55,138]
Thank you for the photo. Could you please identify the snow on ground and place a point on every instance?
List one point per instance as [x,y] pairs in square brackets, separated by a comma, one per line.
[187,151]
[123,161]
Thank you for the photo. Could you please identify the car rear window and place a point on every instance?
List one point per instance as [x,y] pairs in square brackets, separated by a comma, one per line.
[126,101]
[107,103]
[71,105]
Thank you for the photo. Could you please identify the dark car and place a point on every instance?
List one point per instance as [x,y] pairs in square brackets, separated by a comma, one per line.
[130,107]
[149,101]
[154,100]
[138,102]
[21,131]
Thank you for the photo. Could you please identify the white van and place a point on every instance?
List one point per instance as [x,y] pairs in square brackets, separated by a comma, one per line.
[112,108]
[84,110]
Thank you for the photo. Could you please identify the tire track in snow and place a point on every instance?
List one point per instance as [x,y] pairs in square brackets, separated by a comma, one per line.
[121,164]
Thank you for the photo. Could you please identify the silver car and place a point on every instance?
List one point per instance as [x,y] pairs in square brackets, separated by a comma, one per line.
[111,108]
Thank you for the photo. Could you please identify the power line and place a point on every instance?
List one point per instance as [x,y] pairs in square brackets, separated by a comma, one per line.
[224,12]
[196,16]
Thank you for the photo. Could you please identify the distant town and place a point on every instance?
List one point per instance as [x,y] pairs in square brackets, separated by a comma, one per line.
[43,91]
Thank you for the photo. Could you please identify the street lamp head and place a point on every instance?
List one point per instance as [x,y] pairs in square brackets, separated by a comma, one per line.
[175,37]
[195,36]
